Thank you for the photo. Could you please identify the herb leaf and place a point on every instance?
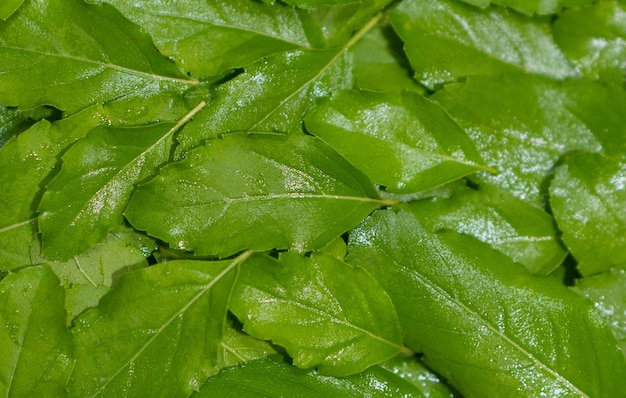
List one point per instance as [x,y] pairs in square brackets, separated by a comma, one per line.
[404,142]
[232,33]
[98,57]
[165,319]
[299,302]
[86,199]
[270,378]
[523,232]
[452,292]
[267,190]
[462,41]
[35,346]
[588,198]
[530,7]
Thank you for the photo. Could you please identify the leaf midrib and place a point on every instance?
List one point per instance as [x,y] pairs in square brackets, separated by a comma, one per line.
[106,65]
[235,262]
[427,282]
[292,195]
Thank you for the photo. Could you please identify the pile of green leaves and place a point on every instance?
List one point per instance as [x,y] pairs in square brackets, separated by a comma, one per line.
[318,198]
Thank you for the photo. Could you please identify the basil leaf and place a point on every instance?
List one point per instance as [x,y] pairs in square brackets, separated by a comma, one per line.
[523,147]
[26,161]
[594,38]
[232,33]
[380,64]
[532,6]
[325,313]
[86,199]
[88,277]
[270,378]
[271,95]
[238,348]
[525,233]
[527,335]
[268,191]
[98,57]
[462,41]
[163,327]
[35,346]
[588,198]
[8,7]
[608,292]
[401,141]
[414,371]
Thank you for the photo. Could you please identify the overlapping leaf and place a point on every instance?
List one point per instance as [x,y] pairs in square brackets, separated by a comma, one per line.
[326,313]
[86,199]
[35,346]
[588,198]
[447,40]
[523,232]
[608,292]
[483,321]
[523,147]
[530,7]
[414,371]
[258,191]
[403,141]
[270,378]
[231,33]
[594,38]
[162,326]
[95,57]
[8,7]
[272,95]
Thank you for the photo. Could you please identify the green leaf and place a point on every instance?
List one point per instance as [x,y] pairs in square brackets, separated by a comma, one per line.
[162,326]
[231,33]
[530,7]
[588,199]
[380,64]
[88,277]
[318,3]
[525,233]
[414,371]
[238,348]
[325,313]
[97,57]
[481,320]
[270,378]
[523,146]
[35,346]
[258,191]
[402,141]
[594,38]
[271,95]
[8,7]
[608,292]
[446,41]
[26,161]
[86,199]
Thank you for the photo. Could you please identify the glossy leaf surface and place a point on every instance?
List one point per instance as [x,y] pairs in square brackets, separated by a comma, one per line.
[594,38]
[258,191]
[231,33]
[588,198]
[403,142]
[326,313]
[414,371]
[523,232]
[270,378]
[86,199]
[462,41]
[540,7]
[35,346]
[272,95]
[523,147]
[99,56]
[608,292]
[162,320]
[528,335]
